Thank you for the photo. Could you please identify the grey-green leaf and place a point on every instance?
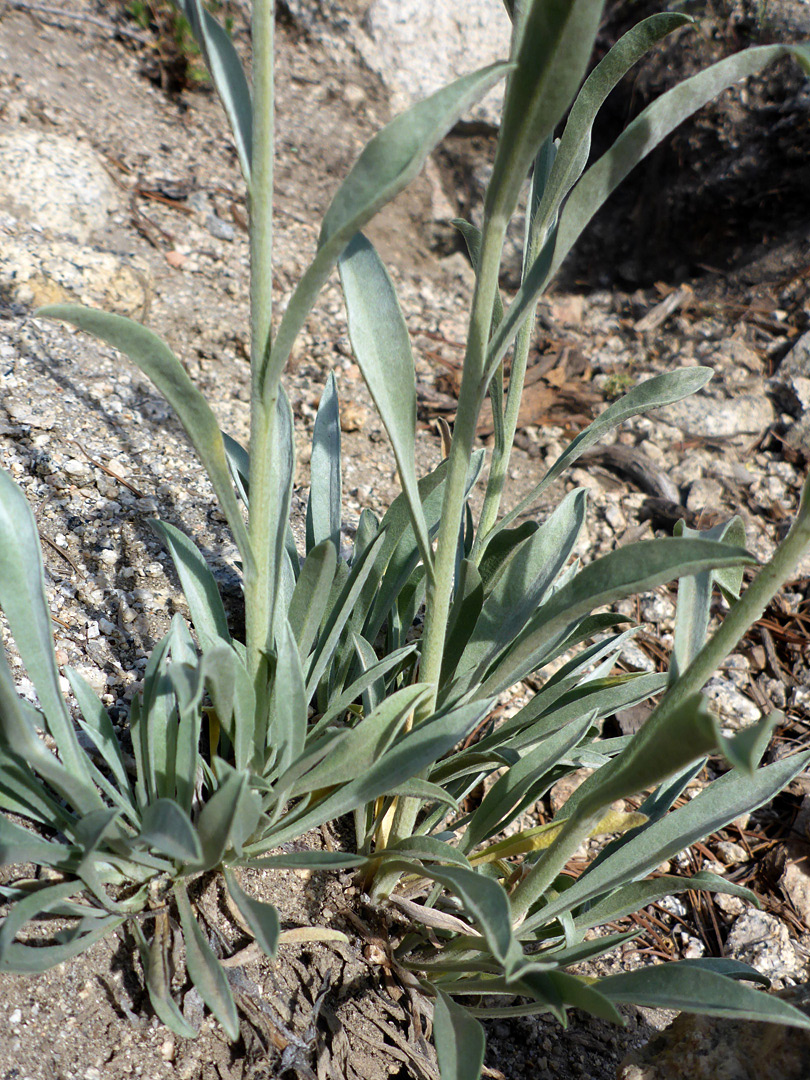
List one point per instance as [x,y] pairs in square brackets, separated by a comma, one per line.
[325,499]
[651,394]
[204,969]
[382,347]
[652,125]
[311,594]
[459,1040]
[722,801]
[158,363]
[556,42]
[388,163]
[22,599]
[223,62]
[168,830]
[623,572]
[261,917]
[691,988]
[199,587]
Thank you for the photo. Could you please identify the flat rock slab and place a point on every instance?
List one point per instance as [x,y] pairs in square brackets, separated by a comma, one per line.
[706,1048]
[55,182]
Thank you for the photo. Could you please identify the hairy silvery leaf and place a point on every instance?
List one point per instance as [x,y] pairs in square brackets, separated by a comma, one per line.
[640,894]
[95,721]
[365,743]
[721,802]
[22,599]
[168,830]
[204,969]
[34,959]
[229,816]
[388,163]
[524,584]
[500,805]
[340,613]
[695,595]
[324,508]
[459,1040]
[288,703]
[234,701]
[311,594]
[239,466]
[623,572]
[155,958]
[408,756]
[199,587]
[18,736]
[653,393]
[575,143]
[382,347]
[652,125]
[693,987]
[158,363]
[382,669]
[555,46]
[222,61]
[261,917]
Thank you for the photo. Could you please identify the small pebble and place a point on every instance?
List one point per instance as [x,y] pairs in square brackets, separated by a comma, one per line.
[222,230]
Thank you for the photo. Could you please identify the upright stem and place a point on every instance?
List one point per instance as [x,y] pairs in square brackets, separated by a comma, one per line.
[259,591]
[500,463]
[440,592]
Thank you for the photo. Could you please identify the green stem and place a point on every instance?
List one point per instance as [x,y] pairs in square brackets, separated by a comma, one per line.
[258,590]
[740,617]
[440,590]
[500,462]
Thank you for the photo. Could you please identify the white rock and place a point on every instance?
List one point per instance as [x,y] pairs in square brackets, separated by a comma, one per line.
[418,46]
[54,182]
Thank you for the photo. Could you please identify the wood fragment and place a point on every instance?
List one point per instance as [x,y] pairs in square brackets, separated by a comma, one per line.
[661,312]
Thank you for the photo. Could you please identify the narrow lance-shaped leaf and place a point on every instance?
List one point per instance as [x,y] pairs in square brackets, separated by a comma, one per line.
[640,137]
[288,726]
[525,582]
[223,62]
[695,595]
[651,394]
[158,363]
[626,571]
[692,988]
[409,755]
[575,144]
[364,743]
[459,1039]
[168,830]
[388,163]
[555,47]
[204,968]
[311,594]
[382,347]
[657,121]
[95,722]
[722,801]
[282,477]
[199,586]
[19,737]
[261,917]
[157,968]
[325,496]
[22,599]
[639,894]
